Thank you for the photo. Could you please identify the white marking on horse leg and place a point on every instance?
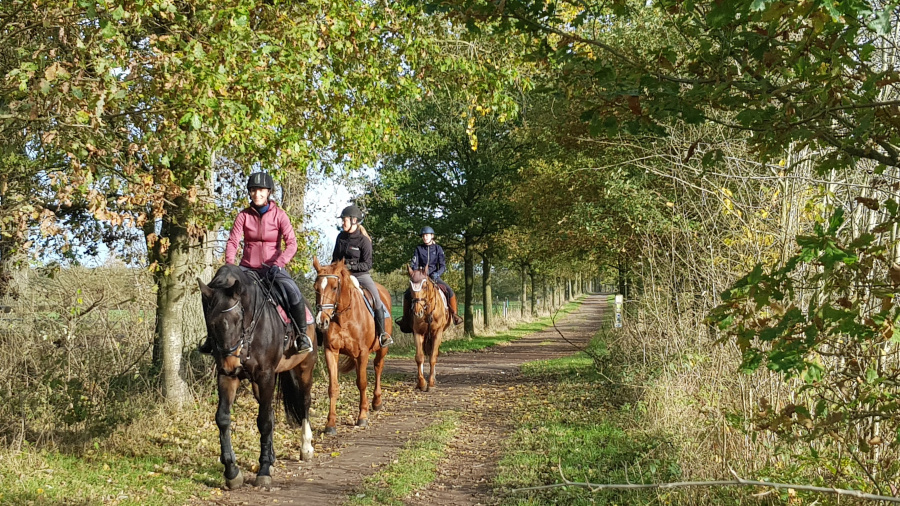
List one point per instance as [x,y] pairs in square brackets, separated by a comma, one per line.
[422,368]
[306,448]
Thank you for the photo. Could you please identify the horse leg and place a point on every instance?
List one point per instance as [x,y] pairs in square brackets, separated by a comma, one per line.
[378,364]
[305,377]
[420,363]
[295,392]
[331,361]
[361,383]
[265,422]
[227,390]
[435,343]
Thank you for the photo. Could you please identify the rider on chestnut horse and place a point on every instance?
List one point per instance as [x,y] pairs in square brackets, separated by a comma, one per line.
[428,254]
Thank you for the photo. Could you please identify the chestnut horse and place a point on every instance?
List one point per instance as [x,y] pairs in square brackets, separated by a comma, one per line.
[430,318]
[349,330]
[249,342]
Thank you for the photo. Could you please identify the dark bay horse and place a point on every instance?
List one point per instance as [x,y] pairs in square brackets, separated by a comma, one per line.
[430,318]
[249,338]
[349,330]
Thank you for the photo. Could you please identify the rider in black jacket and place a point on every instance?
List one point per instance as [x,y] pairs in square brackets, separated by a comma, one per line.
[354,246]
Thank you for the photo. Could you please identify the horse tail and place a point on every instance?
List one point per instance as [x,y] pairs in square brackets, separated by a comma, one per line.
[346,364]
[294,398]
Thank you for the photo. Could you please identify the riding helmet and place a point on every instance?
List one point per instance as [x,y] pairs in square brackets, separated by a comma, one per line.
[351,211]
[261,180]
[427,230]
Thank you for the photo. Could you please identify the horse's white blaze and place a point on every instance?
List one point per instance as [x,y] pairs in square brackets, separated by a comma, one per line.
[319,318]
[324,283]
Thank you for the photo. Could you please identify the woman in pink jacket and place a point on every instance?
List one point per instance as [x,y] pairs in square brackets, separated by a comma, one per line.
[264,226]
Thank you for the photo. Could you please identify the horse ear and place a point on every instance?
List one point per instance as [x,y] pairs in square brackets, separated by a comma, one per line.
[236,289]
[426,270]
[205,291]
[409,270]
[341,264]
[316,265]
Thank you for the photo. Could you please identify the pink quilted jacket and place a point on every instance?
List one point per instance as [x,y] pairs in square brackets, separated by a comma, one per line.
[262,238]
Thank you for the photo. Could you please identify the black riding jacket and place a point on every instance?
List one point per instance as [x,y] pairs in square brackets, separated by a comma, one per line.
[355,249]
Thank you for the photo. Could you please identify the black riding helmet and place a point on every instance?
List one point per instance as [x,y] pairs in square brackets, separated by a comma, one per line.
[351,211]
[261,180]
[426,230]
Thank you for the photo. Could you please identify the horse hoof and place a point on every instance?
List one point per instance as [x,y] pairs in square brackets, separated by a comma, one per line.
[377,407]
[362,423]
[330,431]
[236,482]
[306,456]
[422,386]
[264,481]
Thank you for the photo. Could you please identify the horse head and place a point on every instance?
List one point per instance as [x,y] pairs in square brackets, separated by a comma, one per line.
[329,281]
[223,310]
[418,279]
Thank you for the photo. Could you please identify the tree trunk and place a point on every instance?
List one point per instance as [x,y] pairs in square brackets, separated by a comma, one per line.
[524,291]
[179,316]
[486,292]
[293,201]
[469,261]
[533,292]
[544,293]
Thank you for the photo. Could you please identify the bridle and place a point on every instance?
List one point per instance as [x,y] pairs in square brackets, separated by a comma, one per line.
[335,309]
[423,300]
[246,333]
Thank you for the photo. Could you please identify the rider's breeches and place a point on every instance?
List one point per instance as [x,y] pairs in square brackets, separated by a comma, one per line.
[286,282]
[366,281]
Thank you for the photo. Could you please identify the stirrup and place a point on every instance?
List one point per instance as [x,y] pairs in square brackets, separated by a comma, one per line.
[385,340]
[301,340]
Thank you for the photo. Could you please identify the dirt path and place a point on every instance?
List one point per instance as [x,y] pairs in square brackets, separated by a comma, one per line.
[481,385]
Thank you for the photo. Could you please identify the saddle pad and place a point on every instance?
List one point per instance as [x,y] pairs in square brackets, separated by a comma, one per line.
[286,319]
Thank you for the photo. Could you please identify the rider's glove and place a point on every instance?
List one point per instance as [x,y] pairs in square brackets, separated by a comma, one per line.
[274,271]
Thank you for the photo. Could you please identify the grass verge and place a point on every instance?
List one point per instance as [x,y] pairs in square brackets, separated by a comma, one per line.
[573,423]
[476,343]
[413,468]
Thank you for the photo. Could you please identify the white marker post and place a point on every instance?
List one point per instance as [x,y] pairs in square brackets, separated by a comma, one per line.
[619,303]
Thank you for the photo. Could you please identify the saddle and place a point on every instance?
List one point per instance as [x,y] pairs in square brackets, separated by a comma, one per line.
[278,298]
[370,299]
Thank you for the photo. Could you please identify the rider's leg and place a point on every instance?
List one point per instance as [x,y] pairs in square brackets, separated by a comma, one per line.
[451,300]
[301,344]
[366,281]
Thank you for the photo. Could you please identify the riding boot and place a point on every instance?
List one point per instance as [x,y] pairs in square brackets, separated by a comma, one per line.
[206,347]
[405,322]
[301,344]
[453,311]
[383,337]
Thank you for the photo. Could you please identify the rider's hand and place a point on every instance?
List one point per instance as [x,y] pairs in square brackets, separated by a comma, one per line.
[274,271]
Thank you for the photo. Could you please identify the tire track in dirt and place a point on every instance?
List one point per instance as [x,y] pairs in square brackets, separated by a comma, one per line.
[477,384]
